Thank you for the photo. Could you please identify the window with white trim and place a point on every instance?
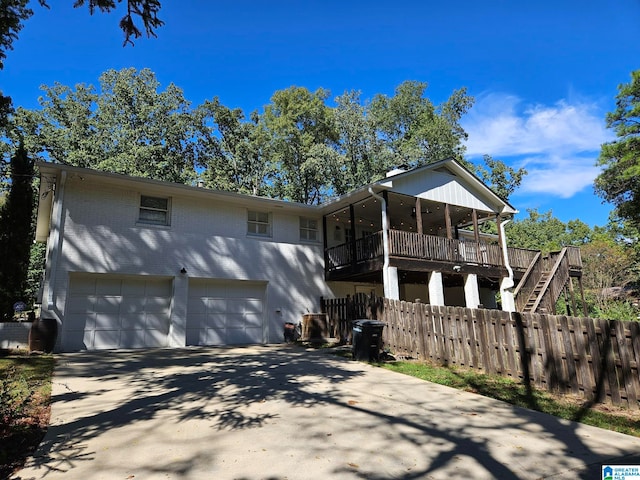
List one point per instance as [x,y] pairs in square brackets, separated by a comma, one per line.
[309,229]
[154,210]
[258,223]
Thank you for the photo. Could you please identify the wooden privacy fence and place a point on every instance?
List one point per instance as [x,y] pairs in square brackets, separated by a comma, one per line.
[342,311]
[595,359]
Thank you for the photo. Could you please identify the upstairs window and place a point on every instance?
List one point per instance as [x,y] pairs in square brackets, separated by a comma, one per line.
[309,229]
[154,210]
[258,223]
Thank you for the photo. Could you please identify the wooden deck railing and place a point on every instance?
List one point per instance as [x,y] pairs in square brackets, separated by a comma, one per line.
[369,247]
[521,258]
[429,247]
[338,256]
[574,258]
[414,245]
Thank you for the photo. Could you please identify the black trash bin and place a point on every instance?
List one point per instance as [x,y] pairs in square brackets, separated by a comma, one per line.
[367,340]
[43,334]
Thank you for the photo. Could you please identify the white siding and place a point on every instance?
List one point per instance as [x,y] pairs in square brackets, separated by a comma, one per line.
[442,187]
[207,238]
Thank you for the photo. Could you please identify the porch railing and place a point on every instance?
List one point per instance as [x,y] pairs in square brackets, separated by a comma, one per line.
[414,245]
[574,258]
[429,247]
[520,258]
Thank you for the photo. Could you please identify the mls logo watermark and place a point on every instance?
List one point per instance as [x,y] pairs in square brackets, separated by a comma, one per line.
[621,472]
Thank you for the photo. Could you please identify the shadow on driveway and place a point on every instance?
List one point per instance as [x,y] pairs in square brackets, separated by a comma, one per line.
[282,412]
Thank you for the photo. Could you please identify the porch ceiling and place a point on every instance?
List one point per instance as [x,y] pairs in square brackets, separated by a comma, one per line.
[402,215]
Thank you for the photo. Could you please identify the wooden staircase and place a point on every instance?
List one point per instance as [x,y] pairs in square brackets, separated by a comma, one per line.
[543,283]
[536,293]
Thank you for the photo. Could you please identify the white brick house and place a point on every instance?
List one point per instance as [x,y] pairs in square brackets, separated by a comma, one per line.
[133,262]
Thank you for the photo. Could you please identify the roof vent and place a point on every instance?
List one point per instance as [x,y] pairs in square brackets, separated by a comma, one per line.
[395,171]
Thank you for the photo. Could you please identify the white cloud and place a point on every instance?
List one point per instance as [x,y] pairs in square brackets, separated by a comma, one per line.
[558,176]
[557,144]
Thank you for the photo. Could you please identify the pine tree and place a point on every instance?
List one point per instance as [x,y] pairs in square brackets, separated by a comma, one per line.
[16,232]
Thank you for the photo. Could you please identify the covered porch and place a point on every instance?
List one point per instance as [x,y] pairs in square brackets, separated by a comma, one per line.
[436,233]
[396,238]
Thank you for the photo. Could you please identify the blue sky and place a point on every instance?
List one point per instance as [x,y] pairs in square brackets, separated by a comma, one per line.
[543,73]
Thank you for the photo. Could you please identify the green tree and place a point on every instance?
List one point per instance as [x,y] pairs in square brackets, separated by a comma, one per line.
[358,143]
[64,130]
[16,232]
[129,127]
[627,234]
[303,137]
[619,181]
[543,231]
[501,178]
[235,150]
[13,13]
[144,10]
[414,131]
[605,264]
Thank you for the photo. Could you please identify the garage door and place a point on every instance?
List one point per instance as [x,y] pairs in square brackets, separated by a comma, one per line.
[225,312]
[106,312]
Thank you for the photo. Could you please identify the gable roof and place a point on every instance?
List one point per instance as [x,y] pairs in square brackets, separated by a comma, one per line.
[446,181]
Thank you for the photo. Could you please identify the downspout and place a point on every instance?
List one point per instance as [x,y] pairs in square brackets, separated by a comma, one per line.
[385,240]
[505,256]
[53,254]
[507,283]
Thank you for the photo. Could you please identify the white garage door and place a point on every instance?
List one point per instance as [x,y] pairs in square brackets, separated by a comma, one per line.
[105,312]
[225,312]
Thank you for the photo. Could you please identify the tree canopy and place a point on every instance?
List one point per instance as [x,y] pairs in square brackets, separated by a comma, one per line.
[303,146]
[500,177]
[619,181]
[129,126]
[543,231]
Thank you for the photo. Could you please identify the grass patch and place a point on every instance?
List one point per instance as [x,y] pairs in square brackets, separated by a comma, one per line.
[509,390]
[25,406]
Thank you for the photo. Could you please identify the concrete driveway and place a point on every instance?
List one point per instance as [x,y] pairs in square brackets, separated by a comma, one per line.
[279,412]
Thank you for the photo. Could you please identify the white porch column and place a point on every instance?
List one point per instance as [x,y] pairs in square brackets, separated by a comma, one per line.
[507,283]
[178,327]
[506,295]
[391,284]
[436,290]
[471,292]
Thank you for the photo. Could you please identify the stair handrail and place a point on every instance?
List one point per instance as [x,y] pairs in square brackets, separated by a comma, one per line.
[552,274]
[527,273]
[528,282]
